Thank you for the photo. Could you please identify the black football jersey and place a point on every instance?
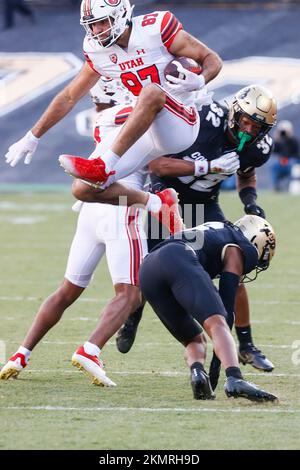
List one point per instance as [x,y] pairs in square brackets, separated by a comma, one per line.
[208,242]
[211,143]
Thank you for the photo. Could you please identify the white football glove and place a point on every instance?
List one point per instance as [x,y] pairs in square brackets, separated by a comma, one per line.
[227,164]
[202,98]
[24,148]
[190,82]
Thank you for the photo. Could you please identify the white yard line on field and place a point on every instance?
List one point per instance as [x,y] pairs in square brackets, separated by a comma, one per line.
[141,344]
[19,298]
[102,301]
[275,286]
[36,207]
[119,409]
[163,373]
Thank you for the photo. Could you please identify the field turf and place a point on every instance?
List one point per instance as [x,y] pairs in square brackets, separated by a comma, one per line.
[53,406]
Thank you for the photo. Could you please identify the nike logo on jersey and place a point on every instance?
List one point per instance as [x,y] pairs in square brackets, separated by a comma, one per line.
[131,64]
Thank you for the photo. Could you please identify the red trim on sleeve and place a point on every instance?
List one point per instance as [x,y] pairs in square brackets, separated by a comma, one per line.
[170,26]
[122,115]
[90,63]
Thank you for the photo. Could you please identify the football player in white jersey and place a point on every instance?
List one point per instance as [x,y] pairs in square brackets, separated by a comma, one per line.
[136,50]
[101,228]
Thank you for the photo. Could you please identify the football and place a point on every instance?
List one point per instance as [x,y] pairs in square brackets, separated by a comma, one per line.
[189,64]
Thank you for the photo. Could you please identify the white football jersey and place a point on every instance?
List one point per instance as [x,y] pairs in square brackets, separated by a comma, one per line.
[146,56]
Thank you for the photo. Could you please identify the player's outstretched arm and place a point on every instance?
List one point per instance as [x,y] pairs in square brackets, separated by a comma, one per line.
[233,264]
[64,101]
[227,164]
[246,186]
[60,106]
[166,166]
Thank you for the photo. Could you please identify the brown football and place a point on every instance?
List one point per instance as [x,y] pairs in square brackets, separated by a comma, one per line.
[189,64]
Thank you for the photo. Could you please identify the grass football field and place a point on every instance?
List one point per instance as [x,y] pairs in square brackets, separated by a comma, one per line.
[53,406]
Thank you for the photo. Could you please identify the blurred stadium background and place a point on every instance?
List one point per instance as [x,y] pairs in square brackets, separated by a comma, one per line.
[37,58]
[52,406]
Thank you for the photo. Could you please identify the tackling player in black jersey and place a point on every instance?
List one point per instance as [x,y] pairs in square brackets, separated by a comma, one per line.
[231,140]
[175,279]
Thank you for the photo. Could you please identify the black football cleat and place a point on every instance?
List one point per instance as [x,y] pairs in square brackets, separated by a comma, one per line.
[201,385]
[239,388]
[126,334]
[214,371]
[249,354]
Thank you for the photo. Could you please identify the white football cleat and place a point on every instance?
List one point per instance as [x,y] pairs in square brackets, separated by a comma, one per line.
[13,367]
[92,366]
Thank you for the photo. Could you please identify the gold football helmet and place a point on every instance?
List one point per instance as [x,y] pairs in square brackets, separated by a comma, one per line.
[261,234]
[256,103]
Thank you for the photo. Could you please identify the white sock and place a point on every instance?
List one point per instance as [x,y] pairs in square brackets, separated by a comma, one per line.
[24,351]
[91,349]
[111,159]
[154,203]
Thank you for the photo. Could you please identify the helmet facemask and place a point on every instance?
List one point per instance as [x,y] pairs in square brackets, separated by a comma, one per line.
[256,104]
[241,137]
[261,234]
[118,14]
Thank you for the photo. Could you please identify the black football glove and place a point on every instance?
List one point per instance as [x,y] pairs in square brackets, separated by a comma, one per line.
[253,209]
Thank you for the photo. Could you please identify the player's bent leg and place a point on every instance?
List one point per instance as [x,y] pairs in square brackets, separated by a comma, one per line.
[248,352]
[176,127]
[116,194]
[223,342]
[96,171]
[150,102]
[235,385]
[163,205]
[195,353]
[179,323]
[92,366]
[160,125]
[48,315]
[195,350]
[51,311]
[115,313]
[127,333]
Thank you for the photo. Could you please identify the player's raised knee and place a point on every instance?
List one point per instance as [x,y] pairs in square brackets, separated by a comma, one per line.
[152,96]
[84,192]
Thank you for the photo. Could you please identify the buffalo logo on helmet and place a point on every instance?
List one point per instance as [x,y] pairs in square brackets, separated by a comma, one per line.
[244,93]
[114,58]
[112,3]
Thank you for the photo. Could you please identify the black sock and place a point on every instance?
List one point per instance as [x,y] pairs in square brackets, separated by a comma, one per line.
[234,372]
[197,364]
[137,314]
[244,334]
